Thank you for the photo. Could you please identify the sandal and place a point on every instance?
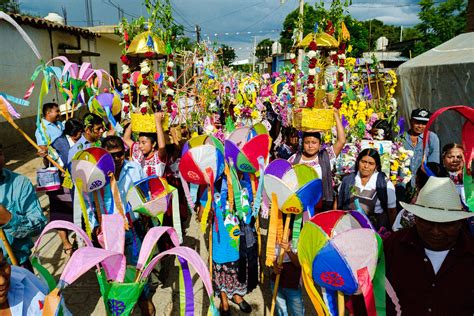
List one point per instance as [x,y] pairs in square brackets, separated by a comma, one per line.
[69,251]
[244,306]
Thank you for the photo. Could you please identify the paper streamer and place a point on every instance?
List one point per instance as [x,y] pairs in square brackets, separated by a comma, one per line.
[23,34]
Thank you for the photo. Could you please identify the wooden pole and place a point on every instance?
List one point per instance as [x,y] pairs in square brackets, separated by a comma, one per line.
[210,251]
[9,249]
[340,303]
[286,232]
[28,138]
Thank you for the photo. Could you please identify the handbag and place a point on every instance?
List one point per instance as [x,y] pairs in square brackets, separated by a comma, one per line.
[48,179]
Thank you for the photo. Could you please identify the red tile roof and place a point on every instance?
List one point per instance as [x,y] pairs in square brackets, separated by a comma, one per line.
[45,24]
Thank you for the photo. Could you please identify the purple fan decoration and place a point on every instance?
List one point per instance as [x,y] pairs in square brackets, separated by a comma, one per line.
[366,93]
[401,126]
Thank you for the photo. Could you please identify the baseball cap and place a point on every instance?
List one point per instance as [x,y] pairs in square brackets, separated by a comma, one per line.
[421,115]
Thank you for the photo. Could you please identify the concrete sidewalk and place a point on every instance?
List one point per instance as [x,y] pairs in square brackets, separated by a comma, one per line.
[83,296]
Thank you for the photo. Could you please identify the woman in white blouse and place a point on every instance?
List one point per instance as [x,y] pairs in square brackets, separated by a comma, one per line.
[373,189]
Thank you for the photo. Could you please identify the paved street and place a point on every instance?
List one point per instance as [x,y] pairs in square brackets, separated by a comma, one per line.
[83,297]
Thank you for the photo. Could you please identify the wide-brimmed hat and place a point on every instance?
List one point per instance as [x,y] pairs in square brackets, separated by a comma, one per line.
[439,202]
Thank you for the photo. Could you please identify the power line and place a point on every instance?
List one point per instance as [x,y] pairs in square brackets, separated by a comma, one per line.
[181,15]
[232,12]
[262,19]
[116,6]
[242,33]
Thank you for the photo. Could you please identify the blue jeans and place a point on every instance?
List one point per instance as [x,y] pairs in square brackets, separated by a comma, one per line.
[289,300]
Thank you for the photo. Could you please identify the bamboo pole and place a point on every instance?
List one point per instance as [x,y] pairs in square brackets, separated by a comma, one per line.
[28,138]
[340,303]
[286,232]
[8,247]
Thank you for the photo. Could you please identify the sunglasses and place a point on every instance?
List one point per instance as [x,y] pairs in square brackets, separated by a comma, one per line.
[118,154]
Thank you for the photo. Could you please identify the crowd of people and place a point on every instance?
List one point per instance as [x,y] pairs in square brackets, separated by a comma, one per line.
[429,246]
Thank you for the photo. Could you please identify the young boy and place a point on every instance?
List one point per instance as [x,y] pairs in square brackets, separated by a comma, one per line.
[289,299]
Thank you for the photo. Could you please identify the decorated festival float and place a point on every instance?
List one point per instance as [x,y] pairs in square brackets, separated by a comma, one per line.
[359,88]
[148,80]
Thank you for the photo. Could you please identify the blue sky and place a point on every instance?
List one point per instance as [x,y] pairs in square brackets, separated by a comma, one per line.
[240,19]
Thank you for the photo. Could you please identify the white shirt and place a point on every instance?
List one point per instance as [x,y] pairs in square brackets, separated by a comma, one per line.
[371,185]
[436,258]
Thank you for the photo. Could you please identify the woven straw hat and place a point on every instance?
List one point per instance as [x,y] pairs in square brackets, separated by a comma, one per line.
[439,202]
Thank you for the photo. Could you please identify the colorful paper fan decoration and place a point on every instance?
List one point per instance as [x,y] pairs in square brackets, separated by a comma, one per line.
[122,285]
[336,222]
[245,145]
[202,162]
[90,169]
[106,105]
[293,189]
[298,187]
[152,196]
[340,253]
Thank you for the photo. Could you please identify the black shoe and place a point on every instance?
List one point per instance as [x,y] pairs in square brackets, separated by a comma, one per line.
[244,306]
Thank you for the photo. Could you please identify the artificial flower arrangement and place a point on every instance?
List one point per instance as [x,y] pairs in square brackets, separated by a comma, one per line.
[143,90]
[326,81]
[247,111]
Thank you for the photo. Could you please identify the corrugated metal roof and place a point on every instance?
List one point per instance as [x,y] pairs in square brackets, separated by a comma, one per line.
[45,24]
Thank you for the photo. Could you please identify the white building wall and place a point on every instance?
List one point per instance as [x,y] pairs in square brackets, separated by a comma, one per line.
[18,62]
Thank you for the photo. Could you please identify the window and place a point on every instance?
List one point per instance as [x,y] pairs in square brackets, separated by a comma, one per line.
[113,70]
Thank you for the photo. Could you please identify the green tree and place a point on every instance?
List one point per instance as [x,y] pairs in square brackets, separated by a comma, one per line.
[440,22]
[290,23]
[9,6]
[359,36]
[376,28]
[184,44]
[336,13]
[264,49]
[226,54]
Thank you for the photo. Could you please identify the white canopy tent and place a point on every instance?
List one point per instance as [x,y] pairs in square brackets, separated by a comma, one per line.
[440,77]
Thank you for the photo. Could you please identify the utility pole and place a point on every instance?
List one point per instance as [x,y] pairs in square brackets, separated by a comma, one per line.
[300,38]
[254,53]
[87,12]
[63,9]
[120,13]
[198,33]
[91,15]
[401,33]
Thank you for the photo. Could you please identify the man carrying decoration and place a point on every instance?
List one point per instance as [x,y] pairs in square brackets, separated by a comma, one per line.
[51,136]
